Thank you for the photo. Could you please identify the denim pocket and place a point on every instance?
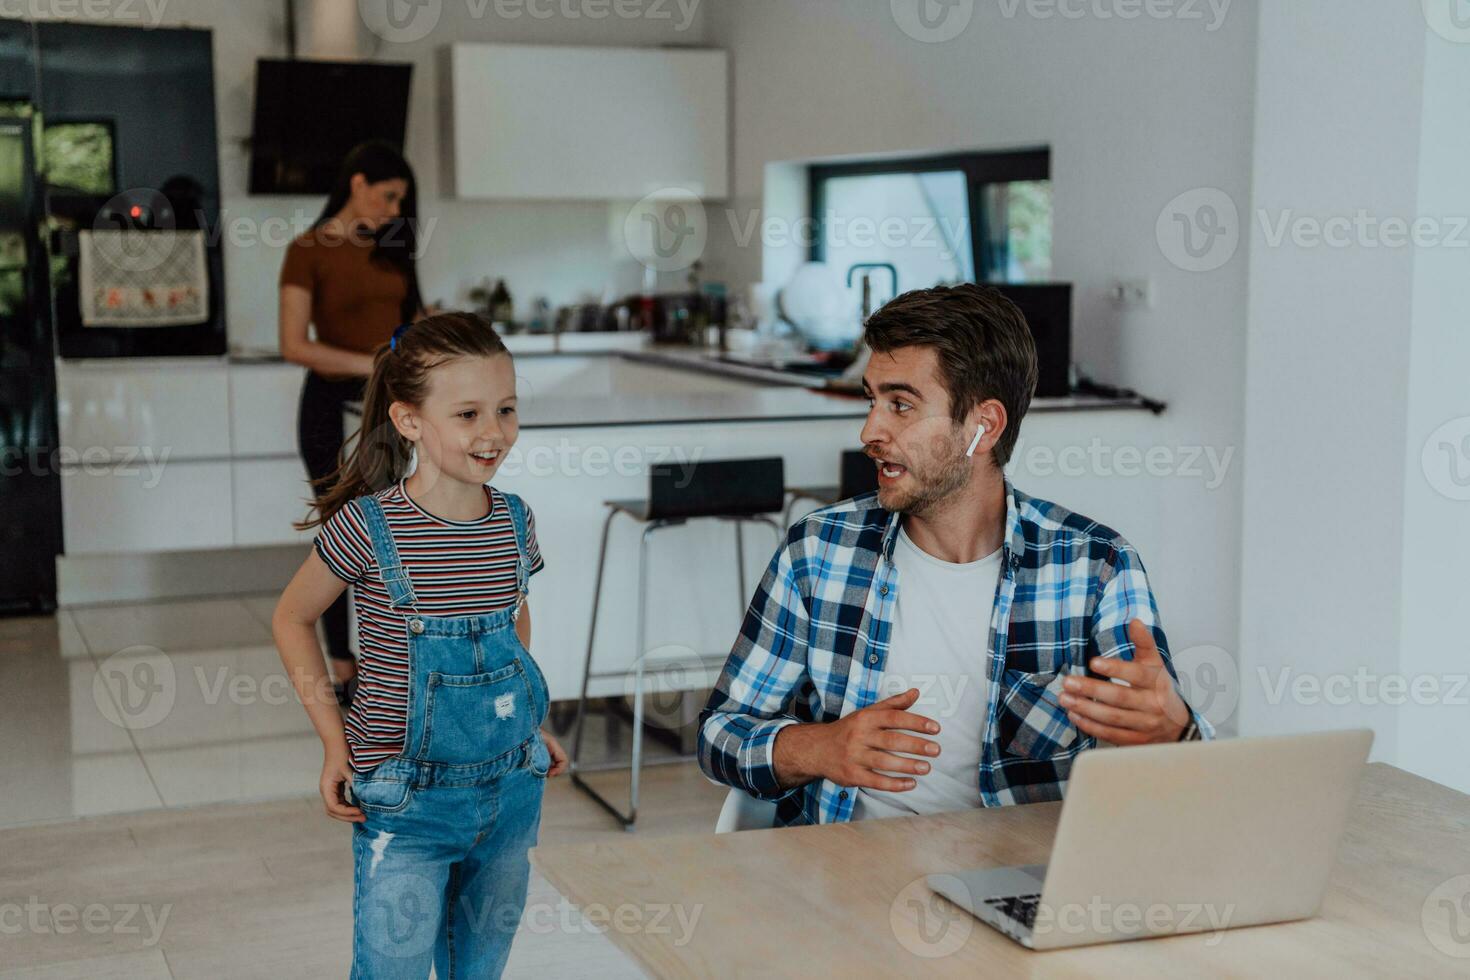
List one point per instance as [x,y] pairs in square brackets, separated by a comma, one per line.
[471,719]
[539,759]
[381,794]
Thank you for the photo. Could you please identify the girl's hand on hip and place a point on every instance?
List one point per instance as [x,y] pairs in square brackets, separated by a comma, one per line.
[559,760]
[336,776]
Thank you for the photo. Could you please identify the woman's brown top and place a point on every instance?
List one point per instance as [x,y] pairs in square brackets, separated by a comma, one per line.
[356,301]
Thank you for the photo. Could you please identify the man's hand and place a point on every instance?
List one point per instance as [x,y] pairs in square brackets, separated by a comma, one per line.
[852,750]
[1149,710]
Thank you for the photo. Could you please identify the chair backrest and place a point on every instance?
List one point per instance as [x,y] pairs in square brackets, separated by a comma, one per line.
[741,811]
[717,488]
[859,475]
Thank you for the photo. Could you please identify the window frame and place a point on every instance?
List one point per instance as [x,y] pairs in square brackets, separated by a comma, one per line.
[979,168]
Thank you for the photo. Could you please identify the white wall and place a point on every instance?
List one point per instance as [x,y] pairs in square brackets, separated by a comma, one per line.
[1357,466]
[1434,642]
[1135,112]
[563,251]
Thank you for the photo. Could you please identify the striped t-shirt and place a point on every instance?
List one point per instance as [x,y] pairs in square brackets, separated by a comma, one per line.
[458,568]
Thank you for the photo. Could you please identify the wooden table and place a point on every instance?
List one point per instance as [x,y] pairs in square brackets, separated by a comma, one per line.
[849,900]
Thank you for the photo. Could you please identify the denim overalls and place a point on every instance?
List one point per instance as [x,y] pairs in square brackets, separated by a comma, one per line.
[440,862]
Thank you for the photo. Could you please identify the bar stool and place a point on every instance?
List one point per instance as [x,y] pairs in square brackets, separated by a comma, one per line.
[857,473]
[742,491]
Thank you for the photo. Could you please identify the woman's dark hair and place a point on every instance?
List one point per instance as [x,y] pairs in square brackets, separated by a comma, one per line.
[400,374]
[396,242]
[984,347]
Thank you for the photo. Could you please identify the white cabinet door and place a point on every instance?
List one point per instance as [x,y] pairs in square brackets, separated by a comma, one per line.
[263,403]
[269,495]
[122,507]
[562,376]
[174,410]
[586,123]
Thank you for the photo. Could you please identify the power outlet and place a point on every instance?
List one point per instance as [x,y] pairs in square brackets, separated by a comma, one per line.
[1131,293]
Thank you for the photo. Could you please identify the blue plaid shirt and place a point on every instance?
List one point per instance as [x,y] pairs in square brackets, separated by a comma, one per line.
[815,640]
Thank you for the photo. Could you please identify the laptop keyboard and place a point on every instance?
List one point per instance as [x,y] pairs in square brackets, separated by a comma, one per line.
[1021,908]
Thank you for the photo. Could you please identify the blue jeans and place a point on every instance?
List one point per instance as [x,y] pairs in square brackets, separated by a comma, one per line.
[440,862]
[441,869]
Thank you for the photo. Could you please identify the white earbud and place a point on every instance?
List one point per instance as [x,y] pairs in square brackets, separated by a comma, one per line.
[979,434]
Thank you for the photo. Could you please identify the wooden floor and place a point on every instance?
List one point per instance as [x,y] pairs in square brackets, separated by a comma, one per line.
[265,889]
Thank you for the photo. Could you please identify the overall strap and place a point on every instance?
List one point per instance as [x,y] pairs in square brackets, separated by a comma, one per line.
[523,561]
[390,565]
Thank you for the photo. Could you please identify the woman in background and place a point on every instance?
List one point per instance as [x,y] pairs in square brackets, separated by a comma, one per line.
[353,277]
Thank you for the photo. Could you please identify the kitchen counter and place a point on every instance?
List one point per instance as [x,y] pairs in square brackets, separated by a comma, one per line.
[756,394]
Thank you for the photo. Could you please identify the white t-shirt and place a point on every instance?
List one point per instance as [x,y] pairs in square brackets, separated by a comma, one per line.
[939,644]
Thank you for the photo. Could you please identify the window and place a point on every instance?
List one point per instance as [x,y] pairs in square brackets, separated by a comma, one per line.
[79,158]
[922,221]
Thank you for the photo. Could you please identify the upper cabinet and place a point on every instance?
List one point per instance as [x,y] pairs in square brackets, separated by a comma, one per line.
[584,123]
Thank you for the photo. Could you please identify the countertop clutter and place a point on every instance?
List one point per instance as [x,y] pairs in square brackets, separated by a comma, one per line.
[759,393]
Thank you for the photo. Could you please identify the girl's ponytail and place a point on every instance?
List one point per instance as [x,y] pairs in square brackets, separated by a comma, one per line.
[400,374]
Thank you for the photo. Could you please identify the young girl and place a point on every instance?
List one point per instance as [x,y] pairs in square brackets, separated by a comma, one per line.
[441,764]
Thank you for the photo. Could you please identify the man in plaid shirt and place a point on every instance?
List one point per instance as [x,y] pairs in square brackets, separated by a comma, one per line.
[928,647]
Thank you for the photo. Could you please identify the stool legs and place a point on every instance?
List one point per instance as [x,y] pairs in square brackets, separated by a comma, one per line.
[639,664]
[591,641]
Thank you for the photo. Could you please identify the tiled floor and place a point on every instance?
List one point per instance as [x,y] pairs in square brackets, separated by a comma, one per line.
[170,727]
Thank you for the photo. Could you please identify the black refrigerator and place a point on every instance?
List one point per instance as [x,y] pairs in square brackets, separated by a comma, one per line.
[30,483]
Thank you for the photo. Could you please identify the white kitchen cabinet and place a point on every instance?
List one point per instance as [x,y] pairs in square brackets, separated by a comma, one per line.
[269,494]
[114,507]
[562,376]
[524,122]
[263,402]
[175,409]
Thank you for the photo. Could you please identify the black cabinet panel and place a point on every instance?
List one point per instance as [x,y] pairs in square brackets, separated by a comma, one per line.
[154,91]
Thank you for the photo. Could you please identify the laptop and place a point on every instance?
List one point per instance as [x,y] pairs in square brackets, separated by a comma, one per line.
[1162,840]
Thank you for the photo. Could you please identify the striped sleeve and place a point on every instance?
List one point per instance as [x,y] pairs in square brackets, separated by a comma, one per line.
[345,545]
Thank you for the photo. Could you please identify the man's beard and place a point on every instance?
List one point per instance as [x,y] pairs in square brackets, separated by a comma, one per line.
[939,480]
